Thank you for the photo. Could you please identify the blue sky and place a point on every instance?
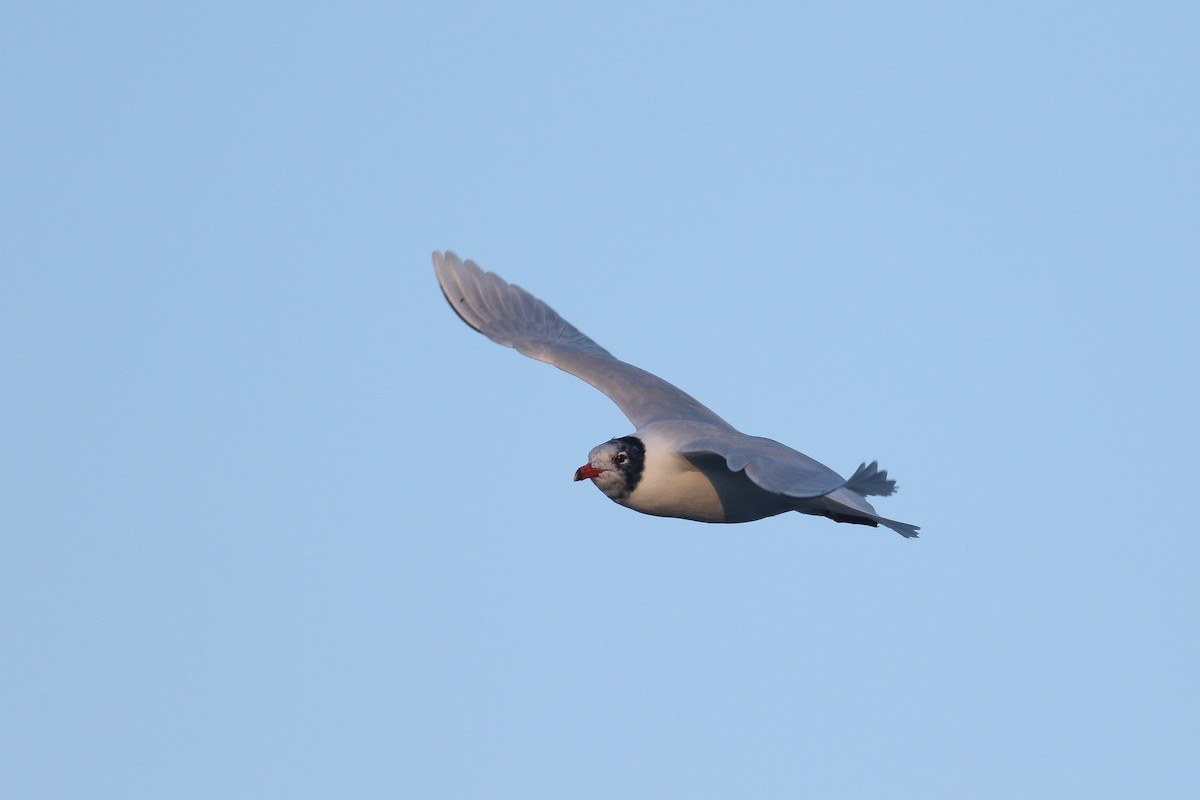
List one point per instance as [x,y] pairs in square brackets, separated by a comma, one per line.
[276,524]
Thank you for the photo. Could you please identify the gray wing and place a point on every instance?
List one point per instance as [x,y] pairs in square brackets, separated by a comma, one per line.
[510,316]
[773,466]
[782,470]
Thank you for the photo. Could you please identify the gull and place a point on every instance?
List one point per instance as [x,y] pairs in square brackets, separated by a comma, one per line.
[682,460]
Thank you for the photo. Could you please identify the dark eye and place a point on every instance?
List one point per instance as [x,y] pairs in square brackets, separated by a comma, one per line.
[621,458]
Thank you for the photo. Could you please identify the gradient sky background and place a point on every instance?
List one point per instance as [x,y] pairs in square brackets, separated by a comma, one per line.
[274,523]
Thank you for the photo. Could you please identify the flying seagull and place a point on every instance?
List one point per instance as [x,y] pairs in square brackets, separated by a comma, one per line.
[683,460]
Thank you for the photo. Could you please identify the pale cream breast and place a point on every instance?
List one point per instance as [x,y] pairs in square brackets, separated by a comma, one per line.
[673,486]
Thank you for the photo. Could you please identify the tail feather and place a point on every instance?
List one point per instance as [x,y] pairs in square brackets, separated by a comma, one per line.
[870,479]
[902,528]
[843,505]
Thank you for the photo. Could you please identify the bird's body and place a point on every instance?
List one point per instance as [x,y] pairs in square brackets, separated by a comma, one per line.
[696,485]
[683,460]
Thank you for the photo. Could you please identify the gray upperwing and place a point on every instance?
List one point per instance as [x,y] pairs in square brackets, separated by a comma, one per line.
[510,316]
[772,465]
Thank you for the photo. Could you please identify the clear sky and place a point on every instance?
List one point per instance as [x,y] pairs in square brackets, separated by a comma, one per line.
[275,523]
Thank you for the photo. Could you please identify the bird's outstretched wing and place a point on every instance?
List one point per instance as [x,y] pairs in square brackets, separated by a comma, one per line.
[510,316]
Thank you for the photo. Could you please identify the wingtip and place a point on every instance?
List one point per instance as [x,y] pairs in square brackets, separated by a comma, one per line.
[449,269]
